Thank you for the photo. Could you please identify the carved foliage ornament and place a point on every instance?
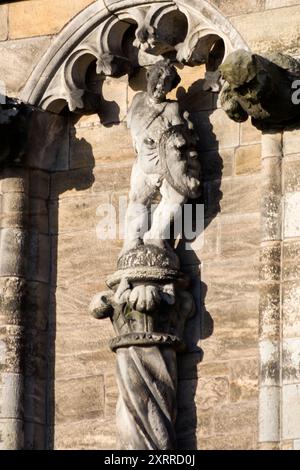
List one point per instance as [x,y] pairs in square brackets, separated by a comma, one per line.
[120,38]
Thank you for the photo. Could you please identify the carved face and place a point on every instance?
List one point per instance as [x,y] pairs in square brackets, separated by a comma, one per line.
[162,78]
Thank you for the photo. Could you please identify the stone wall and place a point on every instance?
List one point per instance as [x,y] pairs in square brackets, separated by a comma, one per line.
[78,163]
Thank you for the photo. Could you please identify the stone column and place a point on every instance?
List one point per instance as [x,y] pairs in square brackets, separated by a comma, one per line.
[270,291]
[13,245]
[279,404]
[290,328]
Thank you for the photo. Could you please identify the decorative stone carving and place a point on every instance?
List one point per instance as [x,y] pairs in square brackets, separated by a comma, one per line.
[260,87]
[148,304]
[167,161]
[119,37]
[148,301]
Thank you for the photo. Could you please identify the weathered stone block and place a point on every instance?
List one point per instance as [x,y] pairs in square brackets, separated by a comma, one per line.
[268,446]
[100,145]
[37,305]
[232,7]
[95,255]
[204,247]
[291,142]
[77,399]
[111,394]
[39,257]
[94,181]
[97,360]
[291,361]
[296,445]
[240,418]
[12,248]
[35,17]
[18,59]
[14,180]
[269,414]
[79,214]
[213,132]
[269,371]
[11,392]
[48,135]
[14,210]
[212,391]
[291,260]
[3,22]
[247,159]
[292,174]
[239,234]
[35,400]
[114,104]
[217,163]
[270,262]
[249,134]
[241,194]
[271,217]
[244,380]
[291,311]
[291,216]
[188,364]
[35,354]
[236,441]
[271,144]
[39,184]
[269,308]
[280,3]
[87,434]
[12,349]
[38,215]
[282,37]
[291,411]
[34,436]
[12,293]
[12,434]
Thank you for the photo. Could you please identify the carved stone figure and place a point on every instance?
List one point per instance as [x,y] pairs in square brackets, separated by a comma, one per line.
[148,301]
[167,161]
[260,87]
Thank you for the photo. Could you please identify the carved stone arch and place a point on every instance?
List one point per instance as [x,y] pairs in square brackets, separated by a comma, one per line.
[184,30]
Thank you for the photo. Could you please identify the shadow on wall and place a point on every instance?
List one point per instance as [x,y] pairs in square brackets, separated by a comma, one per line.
[202,325]
[66,179]
[49,141]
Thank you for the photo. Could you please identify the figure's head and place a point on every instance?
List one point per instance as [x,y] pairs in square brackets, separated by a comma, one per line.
[162,78]
[239,68]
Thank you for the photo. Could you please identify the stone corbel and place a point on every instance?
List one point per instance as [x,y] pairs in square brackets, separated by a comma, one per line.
[260,88]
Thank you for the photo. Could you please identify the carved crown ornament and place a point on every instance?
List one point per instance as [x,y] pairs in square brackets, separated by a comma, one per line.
[119,37]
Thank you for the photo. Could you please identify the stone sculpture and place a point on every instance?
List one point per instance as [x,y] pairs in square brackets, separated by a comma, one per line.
[262,88]
[148,301]
[14,117]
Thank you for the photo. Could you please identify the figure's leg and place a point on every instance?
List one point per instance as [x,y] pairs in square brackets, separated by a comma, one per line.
[137,214]
[167,210]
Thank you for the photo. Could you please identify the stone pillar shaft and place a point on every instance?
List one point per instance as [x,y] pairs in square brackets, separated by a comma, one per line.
[13,246]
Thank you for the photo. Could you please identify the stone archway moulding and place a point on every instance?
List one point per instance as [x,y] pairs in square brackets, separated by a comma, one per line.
[186,30]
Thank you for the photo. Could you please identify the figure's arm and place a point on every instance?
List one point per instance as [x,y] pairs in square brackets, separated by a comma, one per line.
[174,115]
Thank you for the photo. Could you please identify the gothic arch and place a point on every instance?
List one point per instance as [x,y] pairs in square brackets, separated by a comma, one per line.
[121,36]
